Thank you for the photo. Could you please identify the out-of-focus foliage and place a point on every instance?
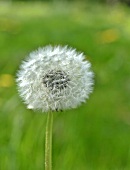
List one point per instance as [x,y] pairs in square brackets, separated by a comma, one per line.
[111,2]
[95,136]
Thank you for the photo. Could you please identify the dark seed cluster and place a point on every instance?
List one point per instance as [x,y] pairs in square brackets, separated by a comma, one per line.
[56,80]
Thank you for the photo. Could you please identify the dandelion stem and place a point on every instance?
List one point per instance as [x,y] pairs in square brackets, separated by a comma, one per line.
[48,142]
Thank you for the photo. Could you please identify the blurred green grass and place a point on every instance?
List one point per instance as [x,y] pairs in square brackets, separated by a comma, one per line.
[94,136]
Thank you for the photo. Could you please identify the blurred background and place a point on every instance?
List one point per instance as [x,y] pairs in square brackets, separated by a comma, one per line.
[95,136]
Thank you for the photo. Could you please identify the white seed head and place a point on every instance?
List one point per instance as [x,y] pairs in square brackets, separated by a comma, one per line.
[54,78]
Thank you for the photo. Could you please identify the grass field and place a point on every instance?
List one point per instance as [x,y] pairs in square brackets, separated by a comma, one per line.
[95,136]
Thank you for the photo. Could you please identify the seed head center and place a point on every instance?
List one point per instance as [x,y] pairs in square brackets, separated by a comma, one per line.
[56,80]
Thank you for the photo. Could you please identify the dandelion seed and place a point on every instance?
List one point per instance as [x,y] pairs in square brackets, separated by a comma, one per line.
[54,78]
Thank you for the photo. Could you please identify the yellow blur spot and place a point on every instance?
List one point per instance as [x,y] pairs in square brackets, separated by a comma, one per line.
[108,36]
[6,80]
[9,25]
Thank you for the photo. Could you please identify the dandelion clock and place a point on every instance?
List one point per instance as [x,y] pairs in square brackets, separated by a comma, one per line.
[53,79]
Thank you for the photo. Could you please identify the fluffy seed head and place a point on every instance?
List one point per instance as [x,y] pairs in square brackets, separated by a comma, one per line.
[54,78]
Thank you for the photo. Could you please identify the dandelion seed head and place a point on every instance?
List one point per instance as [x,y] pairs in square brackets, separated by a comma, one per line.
[54,78]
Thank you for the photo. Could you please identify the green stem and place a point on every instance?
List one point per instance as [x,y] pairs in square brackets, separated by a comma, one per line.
[48,142]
